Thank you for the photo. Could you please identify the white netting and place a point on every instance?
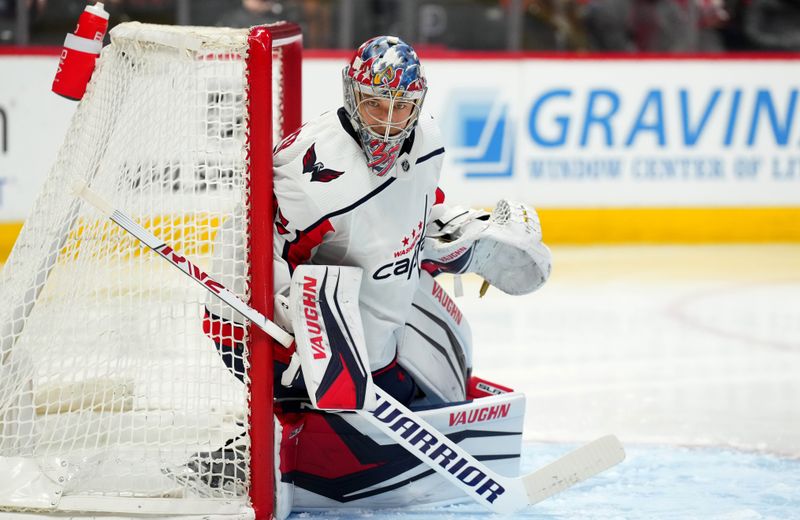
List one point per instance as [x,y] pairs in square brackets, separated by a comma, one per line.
[107,380]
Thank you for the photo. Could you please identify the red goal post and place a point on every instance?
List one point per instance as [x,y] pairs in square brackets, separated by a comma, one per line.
[264,43]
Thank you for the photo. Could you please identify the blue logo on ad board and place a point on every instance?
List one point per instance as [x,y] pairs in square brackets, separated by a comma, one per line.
[480,132]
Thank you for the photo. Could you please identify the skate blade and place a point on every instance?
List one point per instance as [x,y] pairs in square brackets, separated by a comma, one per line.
[190,481]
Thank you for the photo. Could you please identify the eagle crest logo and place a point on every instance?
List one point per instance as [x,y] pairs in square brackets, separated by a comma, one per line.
[318,171]
[281,224]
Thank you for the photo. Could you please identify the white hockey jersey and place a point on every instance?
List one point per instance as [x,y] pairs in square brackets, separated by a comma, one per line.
[332,209]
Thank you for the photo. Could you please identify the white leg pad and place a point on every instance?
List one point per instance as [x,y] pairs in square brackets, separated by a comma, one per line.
[436,344]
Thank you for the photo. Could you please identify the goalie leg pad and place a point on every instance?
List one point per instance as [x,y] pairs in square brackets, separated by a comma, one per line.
[287,428]
[343,462]
[329,334]
[436,344]
[397,382]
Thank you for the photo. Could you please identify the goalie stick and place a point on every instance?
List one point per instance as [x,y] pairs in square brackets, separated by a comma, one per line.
[499,494]
[159,246]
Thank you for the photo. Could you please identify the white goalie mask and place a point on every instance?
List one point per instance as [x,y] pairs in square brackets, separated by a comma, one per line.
[384,87]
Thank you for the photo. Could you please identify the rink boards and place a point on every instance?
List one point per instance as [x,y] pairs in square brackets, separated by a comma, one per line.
[610,149]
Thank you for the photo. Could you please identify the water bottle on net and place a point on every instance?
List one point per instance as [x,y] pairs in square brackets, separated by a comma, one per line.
[80,52]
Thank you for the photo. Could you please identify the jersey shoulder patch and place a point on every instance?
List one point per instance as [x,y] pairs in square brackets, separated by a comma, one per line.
[318,171]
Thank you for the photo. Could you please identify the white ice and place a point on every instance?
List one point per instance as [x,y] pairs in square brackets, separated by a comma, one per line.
[678,345]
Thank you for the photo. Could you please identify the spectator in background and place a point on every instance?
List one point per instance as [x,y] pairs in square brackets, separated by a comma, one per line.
[607,25]
[423,21]
[7,20]
[462,24]
[318,29]
[145,11]
[711,19]
[654,25]
[772,24]
[257,12]
[51,20]
[8,17]
[552,25]
[636,25]
[732,31]
[8,8]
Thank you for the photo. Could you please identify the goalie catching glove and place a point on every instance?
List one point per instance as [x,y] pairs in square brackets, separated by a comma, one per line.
[504,247]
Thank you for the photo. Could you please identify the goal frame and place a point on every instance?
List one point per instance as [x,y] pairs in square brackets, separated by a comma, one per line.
[259,65]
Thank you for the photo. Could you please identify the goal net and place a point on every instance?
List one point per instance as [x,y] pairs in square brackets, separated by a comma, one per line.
[109,385]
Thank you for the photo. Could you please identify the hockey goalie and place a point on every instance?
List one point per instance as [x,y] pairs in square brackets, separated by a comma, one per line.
[128,389]
[361,232]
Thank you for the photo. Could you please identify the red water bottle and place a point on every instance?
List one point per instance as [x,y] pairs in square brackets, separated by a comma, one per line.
[80,53]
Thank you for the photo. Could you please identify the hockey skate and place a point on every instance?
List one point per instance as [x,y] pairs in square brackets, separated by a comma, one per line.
[218,474]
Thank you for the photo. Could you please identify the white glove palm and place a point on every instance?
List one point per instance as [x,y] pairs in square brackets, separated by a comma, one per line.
[505,248]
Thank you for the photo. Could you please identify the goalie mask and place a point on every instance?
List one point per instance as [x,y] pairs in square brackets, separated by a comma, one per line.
[384,87]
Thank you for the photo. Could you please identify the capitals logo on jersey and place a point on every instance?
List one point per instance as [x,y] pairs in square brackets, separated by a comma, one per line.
[281,223]
[318,171]
[406,259]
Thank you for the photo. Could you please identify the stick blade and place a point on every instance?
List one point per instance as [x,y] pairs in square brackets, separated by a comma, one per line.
[575,467]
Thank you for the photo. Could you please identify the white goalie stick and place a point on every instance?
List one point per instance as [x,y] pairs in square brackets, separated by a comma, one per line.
[498,493]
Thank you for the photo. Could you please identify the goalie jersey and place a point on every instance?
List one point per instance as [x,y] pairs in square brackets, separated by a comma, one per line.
[332,209]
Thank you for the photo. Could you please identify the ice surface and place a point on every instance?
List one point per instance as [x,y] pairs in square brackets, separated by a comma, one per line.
[686,345]
[653,483]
